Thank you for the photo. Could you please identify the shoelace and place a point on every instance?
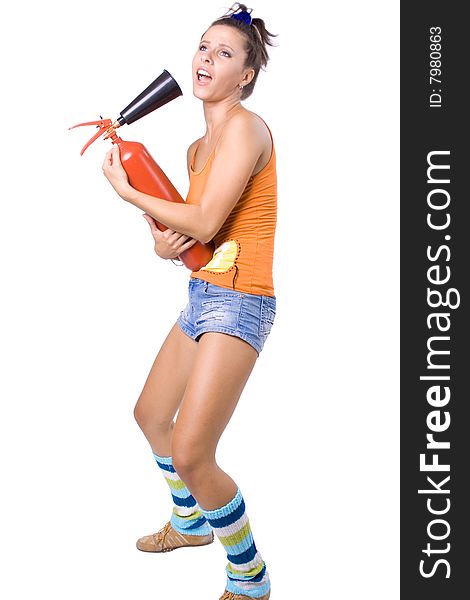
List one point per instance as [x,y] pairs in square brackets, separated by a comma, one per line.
[231,596]
[161,535]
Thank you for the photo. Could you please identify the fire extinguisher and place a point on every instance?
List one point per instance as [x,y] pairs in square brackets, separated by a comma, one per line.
[143,172]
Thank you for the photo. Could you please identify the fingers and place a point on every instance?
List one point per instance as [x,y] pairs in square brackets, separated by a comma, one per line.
[108,159]
[172,236]
[177,241]
[112,157]
[150,220]
[115,154]
[153,224]
[187,245]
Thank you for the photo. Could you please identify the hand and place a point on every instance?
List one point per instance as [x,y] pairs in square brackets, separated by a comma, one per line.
[168,243]
[115,173]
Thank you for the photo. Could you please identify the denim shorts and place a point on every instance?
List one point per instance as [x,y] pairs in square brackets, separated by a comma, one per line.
[215,308]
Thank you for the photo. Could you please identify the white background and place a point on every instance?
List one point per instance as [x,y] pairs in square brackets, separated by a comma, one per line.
[86,305]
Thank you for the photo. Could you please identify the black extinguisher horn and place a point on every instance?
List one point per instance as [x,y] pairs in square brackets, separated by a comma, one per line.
[159,92]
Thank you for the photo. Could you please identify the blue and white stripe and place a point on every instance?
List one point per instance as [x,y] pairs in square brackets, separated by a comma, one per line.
[246,570]
[186,516]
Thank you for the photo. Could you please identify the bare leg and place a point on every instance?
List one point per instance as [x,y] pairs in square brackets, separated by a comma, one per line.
[164,389]
[219,373]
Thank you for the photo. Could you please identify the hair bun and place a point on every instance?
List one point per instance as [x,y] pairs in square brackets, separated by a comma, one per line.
[242,13]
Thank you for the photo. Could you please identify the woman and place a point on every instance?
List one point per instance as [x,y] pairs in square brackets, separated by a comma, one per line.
[206,359]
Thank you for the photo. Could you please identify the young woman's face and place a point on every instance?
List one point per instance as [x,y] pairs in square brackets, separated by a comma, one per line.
[221,53]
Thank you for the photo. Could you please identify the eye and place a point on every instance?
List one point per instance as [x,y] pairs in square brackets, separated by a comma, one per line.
[224,51]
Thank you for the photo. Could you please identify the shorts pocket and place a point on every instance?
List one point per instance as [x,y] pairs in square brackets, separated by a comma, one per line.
[212,290]
[216,310]
[268,314]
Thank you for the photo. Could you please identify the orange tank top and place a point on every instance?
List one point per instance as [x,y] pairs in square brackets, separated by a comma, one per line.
[244,245]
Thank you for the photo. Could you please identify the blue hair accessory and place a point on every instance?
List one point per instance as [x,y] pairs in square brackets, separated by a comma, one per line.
[242,16]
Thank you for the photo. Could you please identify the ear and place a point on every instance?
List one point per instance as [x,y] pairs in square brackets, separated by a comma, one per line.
[247,78]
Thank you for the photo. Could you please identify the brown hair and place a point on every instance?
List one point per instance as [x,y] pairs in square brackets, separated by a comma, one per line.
[256,39]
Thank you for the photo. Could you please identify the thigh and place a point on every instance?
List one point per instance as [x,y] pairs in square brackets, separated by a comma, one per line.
[164,388]
[219,373]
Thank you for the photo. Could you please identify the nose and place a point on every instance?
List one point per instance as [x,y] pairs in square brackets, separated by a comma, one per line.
[205,57]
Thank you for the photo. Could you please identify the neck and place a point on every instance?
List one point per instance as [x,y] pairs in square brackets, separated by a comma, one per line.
[217,113]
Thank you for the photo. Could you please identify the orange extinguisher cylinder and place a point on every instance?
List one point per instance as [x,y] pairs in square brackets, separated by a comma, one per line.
[147,177]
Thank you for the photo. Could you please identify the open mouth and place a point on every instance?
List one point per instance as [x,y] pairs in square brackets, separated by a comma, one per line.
[203,75]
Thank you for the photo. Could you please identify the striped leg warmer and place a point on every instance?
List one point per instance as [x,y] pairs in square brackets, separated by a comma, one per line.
[186,517]
[246,570]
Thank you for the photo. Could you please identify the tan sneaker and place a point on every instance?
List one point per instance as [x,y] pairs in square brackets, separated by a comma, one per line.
[168,539]
[231,596]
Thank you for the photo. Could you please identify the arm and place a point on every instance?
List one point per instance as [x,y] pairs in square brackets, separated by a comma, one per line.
[239,149]
[181,217]
[169,244]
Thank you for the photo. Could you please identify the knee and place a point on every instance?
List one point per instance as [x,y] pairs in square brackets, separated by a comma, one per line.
[140,413]
[150,419]
[190,462]
[184,460]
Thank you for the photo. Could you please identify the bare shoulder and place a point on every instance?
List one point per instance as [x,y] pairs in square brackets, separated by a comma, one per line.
[250,131]
[250,122]
[248,125]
